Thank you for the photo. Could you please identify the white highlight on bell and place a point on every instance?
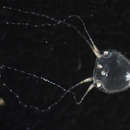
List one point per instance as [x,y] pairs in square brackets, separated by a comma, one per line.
[127,76]
[98,83]
[105,53]
[99,66]
[103,73]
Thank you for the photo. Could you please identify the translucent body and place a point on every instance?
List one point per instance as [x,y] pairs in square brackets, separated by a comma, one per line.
[113,72]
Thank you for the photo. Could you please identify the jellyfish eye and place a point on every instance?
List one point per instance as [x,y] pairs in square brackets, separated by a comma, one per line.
[103,70]
[106,54]
[99,66]
[98,84]
[104,73]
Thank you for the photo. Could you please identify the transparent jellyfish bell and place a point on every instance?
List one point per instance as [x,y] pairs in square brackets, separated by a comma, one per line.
[112,70]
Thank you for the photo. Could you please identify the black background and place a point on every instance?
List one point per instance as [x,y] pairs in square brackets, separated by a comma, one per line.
[65,59]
